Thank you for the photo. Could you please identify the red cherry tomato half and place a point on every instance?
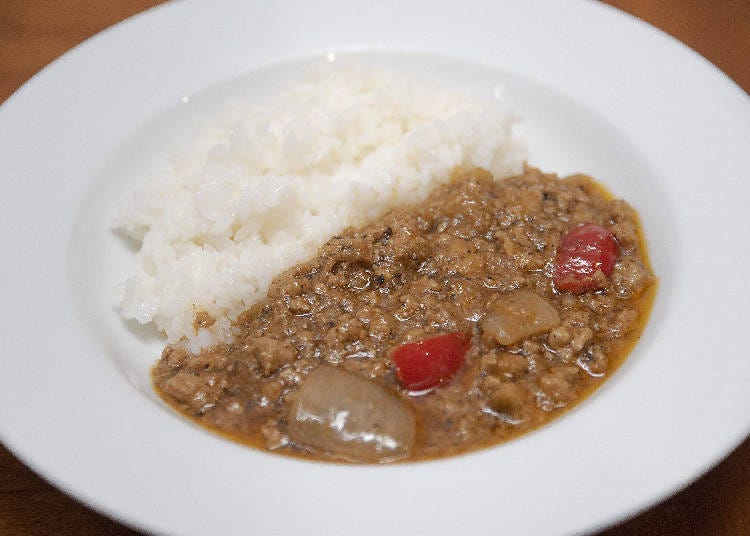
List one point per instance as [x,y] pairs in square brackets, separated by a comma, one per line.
[586,250]
[425,364]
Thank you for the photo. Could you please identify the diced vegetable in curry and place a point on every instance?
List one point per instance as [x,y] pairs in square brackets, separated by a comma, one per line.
[444,327]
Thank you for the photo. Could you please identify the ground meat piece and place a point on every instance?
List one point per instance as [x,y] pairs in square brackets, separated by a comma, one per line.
[409,307]
[380,323]
[504,364]
[403,240]
[208,361]
[508,400]
[623,322]
[286,287]
[300,305]
[580,338]
[533,349]
[350,250]
[471,265]
[558,337]
[270,354]
[195,391]
[624,223]
[346,331]
[594,361]
[630,277]
[577,318]
[173,357]
[359,280]
[559,386]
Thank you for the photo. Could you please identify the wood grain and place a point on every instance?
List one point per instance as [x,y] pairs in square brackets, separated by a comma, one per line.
[33,33]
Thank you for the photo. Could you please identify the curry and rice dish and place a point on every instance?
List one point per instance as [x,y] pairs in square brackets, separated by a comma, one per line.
[442,327]
[331,287]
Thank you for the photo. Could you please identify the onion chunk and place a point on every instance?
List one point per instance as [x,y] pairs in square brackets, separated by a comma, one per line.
[516,315]
[351,418]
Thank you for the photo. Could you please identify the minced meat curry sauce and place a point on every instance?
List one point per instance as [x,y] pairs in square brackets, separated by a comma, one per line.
[444,327]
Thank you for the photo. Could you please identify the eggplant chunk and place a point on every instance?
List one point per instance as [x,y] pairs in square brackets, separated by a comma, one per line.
[350,417]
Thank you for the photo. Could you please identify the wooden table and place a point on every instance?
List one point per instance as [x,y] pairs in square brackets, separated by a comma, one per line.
[35,32]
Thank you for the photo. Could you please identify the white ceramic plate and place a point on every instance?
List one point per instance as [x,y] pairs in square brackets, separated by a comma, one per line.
[599,92]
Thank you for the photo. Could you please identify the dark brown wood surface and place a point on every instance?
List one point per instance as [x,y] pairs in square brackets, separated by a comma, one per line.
[35,32]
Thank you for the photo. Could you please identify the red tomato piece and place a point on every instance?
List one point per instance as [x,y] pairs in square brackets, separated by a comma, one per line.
[584,252]
[425,364]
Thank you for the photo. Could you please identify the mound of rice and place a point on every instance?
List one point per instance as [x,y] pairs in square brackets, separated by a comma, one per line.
[262,188]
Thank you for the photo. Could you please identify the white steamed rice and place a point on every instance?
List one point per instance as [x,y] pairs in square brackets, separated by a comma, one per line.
[262,188]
